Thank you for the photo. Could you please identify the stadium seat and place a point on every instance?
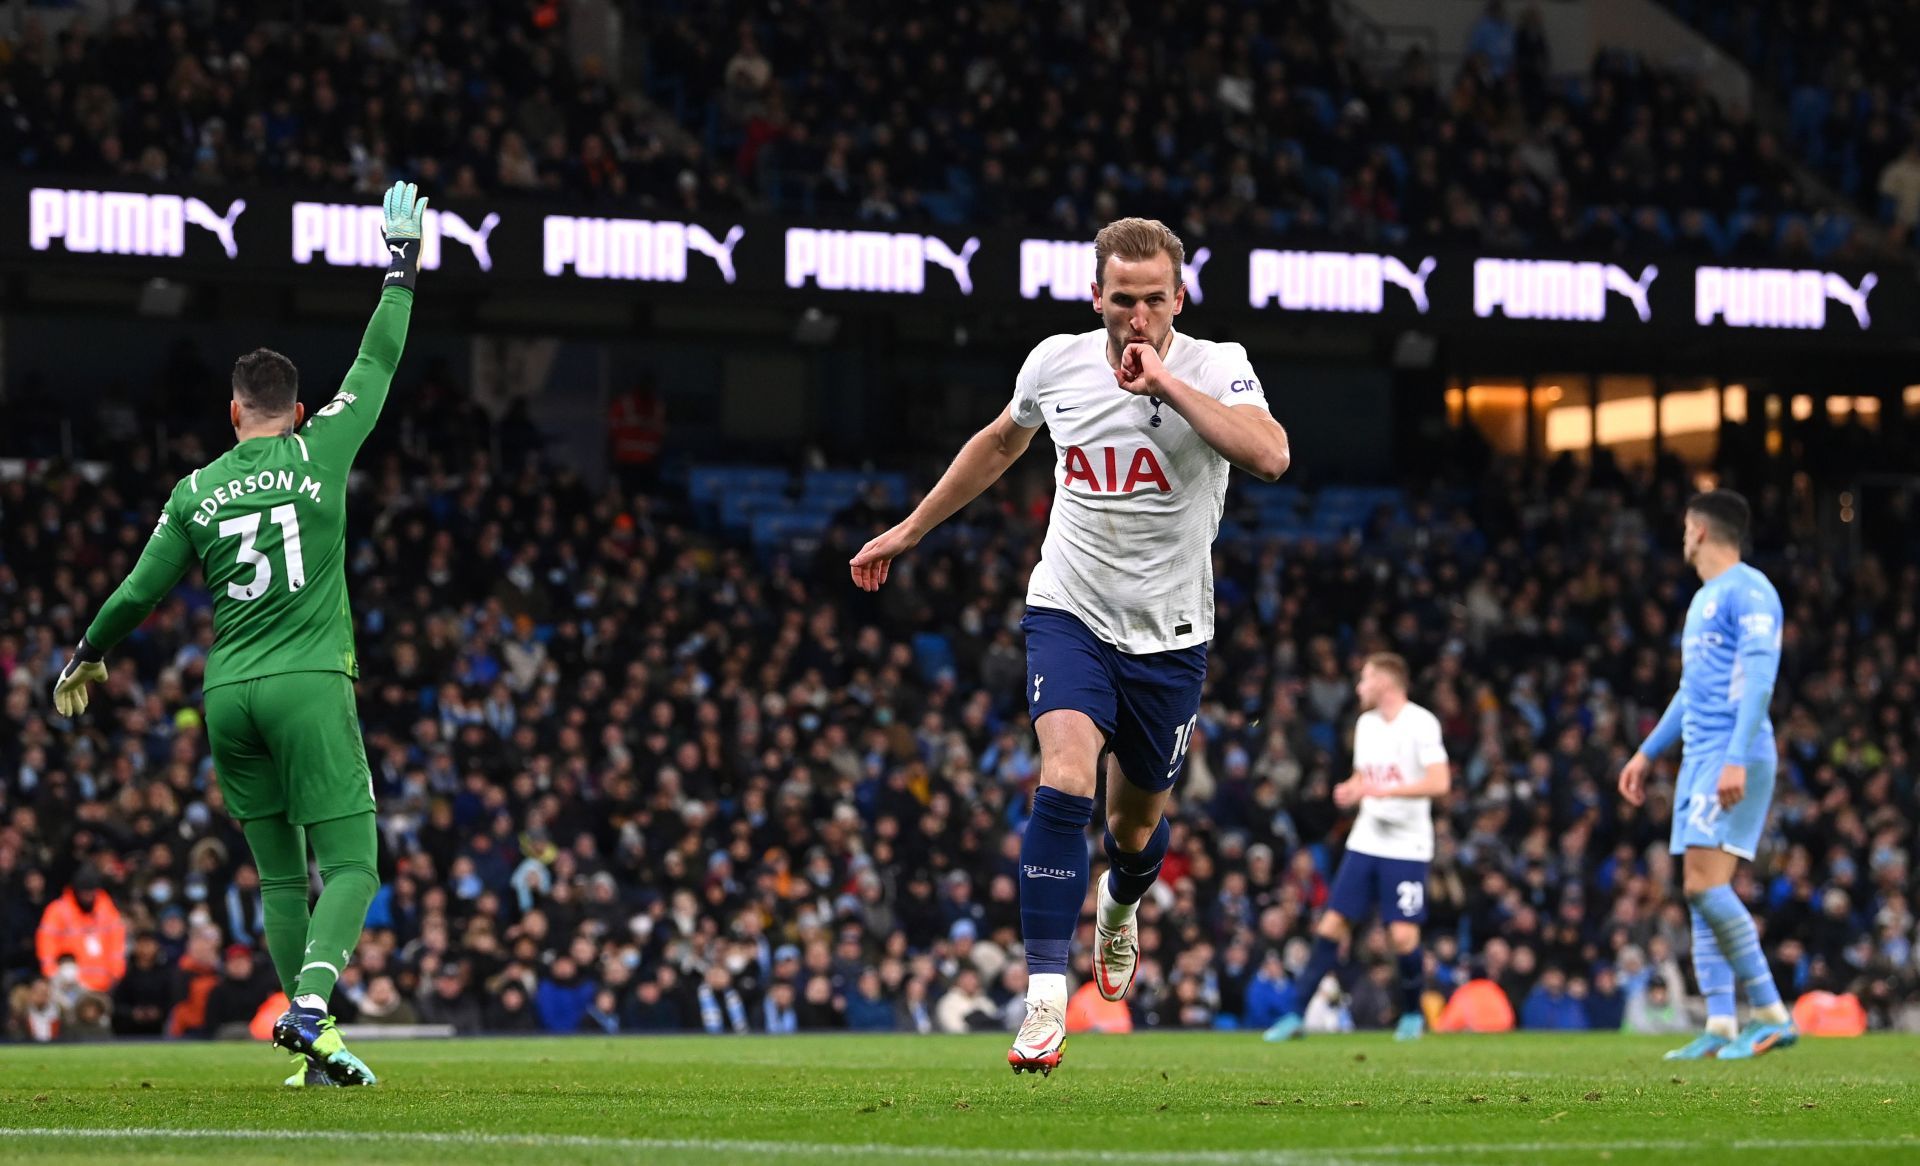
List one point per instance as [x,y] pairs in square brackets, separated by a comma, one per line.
[789,529]
[738,508]
[933,653]
[839,488]
[706,483]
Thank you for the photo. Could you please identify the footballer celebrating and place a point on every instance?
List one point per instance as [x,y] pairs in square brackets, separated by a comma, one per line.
[1145,422]
[266,524]
[1399,767]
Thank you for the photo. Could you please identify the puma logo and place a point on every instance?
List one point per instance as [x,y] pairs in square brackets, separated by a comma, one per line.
[939,253]
[201,215]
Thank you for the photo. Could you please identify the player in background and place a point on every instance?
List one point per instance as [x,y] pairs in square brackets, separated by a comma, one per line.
[1399,767]
[266,523]
[1729,660]
[1146,421]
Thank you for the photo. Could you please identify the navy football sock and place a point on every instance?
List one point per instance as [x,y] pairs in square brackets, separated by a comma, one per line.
[1413,980]
[1053,877]
[1133,873]
[1326,953]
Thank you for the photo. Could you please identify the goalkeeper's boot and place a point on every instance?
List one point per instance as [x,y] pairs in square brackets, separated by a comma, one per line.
[1704,1047]
[1042,1039]
[310,1032]
[1287,1028]
[307,1073]
[1115,958]
[1759,1037]
[1412,1026]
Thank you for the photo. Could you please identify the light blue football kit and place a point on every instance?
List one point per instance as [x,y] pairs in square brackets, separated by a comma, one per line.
[1730,660]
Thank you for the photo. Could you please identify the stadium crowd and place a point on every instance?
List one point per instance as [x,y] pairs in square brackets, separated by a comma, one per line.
[1845,76]
[1232,117]
[634,778]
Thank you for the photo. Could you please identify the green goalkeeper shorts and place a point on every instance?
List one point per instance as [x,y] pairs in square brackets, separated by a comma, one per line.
[289,744]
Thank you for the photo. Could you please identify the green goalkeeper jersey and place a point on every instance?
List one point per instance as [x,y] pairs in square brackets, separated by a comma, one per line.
[266,522]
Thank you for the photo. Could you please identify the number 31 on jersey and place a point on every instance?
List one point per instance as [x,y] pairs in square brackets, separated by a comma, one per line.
[247,526]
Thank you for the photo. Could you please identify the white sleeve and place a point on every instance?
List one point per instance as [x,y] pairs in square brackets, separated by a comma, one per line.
[1229,378]
[1427,743]
[1025,407]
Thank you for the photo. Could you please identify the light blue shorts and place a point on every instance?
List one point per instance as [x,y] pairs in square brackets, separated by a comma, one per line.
[1698,819]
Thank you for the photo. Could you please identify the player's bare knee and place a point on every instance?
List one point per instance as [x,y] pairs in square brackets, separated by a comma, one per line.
[1333,926]
[1698,883]
[1405,938]
[1067,778]
[1132,832]
[1702,870]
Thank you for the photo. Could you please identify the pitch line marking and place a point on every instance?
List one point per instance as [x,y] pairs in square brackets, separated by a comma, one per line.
[1293,1157]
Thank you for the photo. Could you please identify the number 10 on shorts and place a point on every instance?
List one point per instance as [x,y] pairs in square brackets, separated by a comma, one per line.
[1182,738]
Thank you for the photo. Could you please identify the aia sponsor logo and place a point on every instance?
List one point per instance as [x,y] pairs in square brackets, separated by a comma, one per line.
[1106,470]
[1381,776]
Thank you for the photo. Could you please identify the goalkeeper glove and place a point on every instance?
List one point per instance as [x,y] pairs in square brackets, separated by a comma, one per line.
[404,218]
[83,668]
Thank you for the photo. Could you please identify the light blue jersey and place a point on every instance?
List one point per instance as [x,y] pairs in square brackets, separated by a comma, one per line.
[1730,648]
[1730,658]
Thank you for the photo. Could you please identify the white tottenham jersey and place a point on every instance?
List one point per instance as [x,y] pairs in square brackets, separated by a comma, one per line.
[1387,754]
[1137,493]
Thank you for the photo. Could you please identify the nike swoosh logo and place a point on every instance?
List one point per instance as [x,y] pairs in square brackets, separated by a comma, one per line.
[1064,408]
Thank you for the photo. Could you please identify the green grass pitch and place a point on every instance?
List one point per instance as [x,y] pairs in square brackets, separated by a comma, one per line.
[1164,1098]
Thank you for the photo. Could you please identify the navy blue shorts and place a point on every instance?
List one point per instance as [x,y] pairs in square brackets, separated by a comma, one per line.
[1397,886]
[1146,705]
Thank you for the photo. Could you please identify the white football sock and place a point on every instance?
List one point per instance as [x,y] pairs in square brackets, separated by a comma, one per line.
[1772,1014]
[1047,988]
[1114,913]
[1723,1027]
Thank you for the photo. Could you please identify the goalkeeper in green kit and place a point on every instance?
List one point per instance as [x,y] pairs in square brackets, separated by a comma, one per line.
[266,523]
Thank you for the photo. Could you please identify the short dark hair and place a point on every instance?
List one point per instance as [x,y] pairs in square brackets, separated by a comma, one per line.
[266,382]
[1726,514]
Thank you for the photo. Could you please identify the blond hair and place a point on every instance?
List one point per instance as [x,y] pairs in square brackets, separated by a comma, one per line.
[1393,664]
[1137,239]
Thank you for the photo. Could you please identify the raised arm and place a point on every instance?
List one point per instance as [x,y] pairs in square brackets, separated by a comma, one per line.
[339,428]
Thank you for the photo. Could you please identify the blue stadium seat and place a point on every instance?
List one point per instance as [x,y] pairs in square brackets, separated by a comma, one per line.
[1784,222]
[1830,233]
[1719,237]
[1320,102]
[776,530]
[706,483]
[835,489]
[947,209]
[933,654]
[1272,494]
[1807,110]
[739,508]
[1396,163]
